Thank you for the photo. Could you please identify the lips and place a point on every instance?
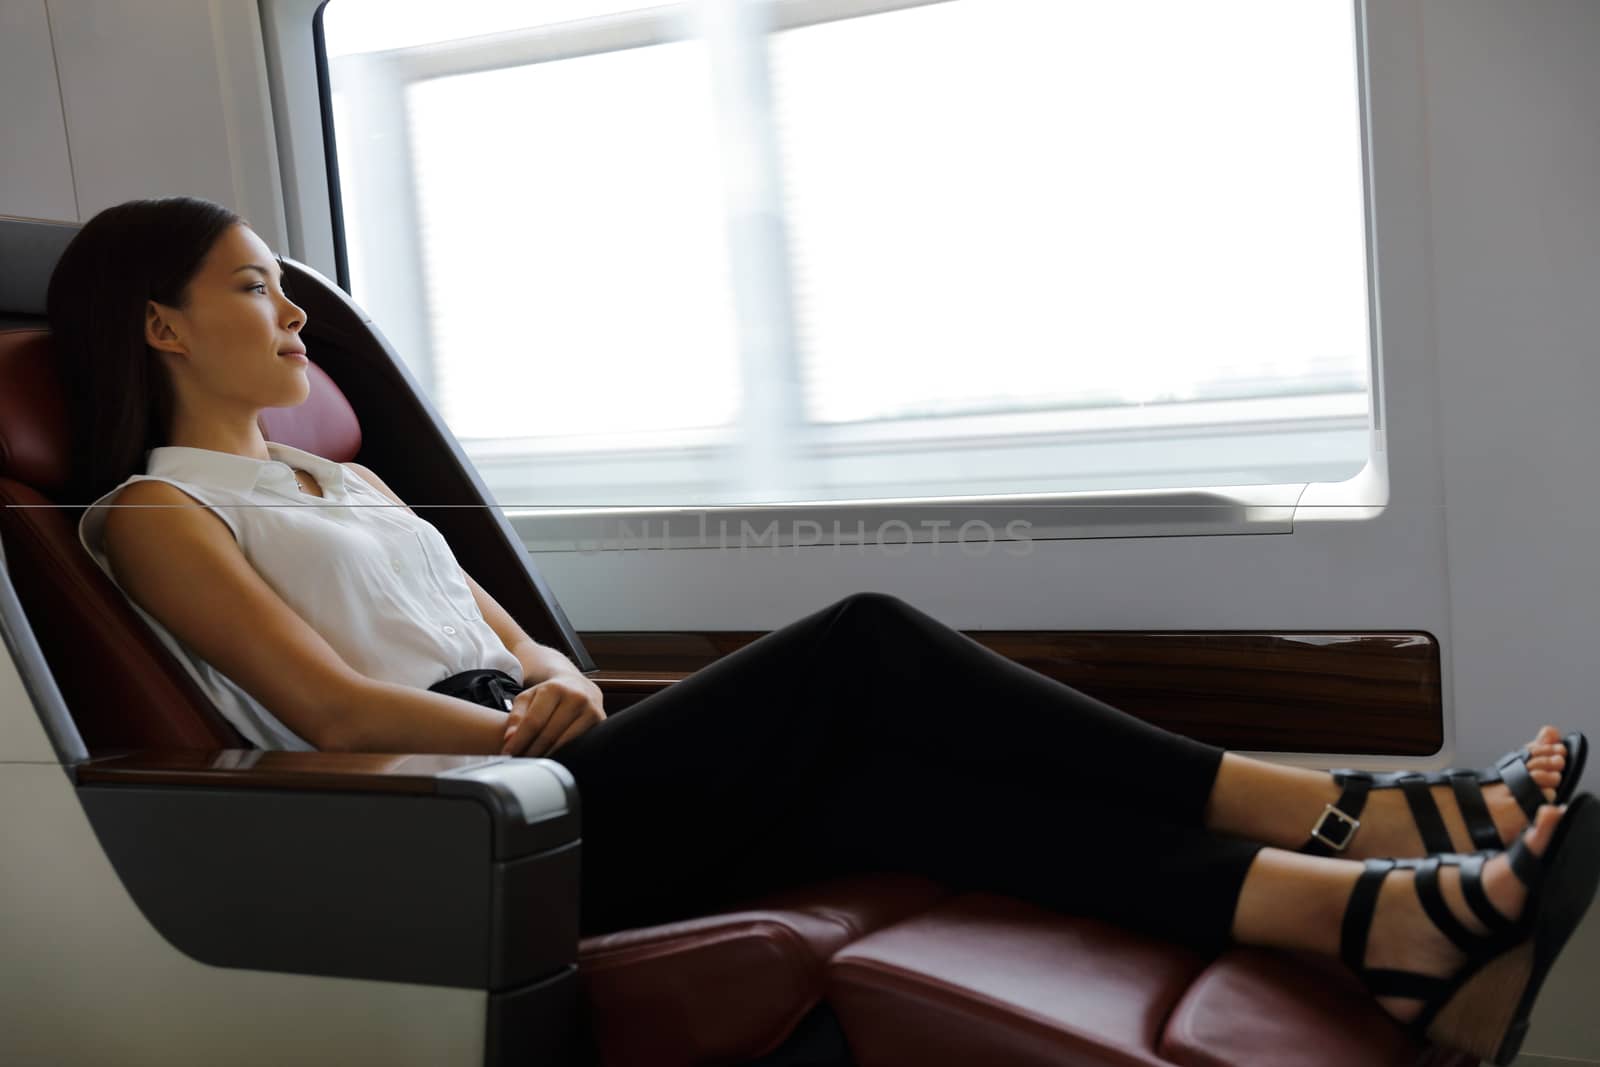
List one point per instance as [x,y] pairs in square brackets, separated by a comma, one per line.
[296,354]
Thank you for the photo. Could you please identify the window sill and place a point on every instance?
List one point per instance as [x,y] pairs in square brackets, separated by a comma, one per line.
[976,524]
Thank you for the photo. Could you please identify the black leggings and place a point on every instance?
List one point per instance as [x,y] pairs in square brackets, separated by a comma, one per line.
[871,737]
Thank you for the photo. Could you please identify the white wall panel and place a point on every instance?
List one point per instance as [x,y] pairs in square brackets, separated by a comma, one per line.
[1514,138]
[35,168]
[167,98]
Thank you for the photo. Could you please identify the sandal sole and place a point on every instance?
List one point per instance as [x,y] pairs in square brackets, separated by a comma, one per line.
[1577,755]
[1479,1019]
[1561,900]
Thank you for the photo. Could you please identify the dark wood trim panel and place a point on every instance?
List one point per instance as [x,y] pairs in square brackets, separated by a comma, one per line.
[1376,693]
[1347,692]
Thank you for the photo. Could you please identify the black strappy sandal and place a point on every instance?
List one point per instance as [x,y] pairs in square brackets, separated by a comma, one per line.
[1339,821]
[1512,960]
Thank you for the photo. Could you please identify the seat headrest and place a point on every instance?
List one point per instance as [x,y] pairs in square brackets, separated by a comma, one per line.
[35,444]
[35,441]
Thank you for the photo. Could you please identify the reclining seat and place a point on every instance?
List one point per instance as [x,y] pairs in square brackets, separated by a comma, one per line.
[882,969]
[723,988]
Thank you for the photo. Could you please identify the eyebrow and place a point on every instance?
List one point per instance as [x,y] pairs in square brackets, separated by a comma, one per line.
[263,270]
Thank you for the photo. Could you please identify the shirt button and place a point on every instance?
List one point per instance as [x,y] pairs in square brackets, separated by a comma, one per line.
[395,564]
[449,629]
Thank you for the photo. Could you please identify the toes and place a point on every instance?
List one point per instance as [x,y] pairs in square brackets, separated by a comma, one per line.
[1544,826]
[1545,761]
[1545,769]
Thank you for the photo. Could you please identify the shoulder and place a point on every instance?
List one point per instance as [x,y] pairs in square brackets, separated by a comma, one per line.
[150,491]
[373,480]
[151,508]
[154,522]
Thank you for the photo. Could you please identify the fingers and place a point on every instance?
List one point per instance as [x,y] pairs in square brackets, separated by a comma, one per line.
[545,717]
[530,712]
[555,723]
[579,726]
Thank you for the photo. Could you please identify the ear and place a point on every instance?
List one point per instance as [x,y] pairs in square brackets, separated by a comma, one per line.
[158,331]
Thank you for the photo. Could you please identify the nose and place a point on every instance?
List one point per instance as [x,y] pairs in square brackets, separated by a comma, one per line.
[296,320]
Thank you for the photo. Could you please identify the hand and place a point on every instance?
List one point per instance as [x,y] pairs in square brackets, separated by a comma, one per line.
[546,716]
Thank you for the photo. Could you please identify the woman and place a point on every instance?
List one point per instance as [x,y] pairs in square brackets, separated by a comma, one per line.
[864,736]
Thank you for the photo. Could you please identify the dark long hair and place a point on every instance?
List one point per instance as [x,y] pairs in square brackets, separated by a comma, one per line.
[119,394]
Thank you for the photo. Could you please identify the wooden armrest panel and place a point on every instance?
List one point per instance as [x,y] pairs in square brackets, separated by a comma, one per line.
[623,688]
[249,768]
[1377,692]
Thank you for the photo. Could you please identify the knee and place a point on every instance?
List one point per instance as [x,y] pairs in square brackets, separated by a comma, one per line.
[870,602]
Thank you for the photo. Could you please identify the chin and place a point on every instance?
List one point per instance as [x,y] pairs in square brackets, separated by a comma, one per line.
[294,398]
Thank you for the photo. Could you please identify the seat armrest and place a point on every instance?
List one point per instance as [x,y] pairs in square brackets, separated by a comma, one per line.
[441,870]
[534,802]
[253,768]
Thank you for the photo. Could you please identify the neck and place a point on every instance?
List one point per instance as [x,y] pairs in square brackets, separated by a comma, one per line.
[241,436]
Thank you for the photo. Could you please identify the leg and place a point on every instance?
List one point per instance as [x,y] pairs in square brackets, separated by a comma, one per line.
[874,706]
[1277,805]
[677,786]
[873,667]
[976,692]
[901,812]
[1298,902]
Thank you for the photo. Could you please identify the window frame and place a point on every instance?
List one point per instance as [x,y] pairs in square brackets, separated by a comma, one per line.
[298,79]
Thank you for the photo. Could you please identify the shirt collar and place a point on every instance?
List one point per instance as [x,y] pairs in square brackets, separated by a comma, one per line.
[228,470]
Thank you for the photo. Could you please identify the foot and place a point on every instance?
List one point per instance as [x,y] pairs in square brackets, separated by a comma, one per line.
[1388,830]
[1404,938]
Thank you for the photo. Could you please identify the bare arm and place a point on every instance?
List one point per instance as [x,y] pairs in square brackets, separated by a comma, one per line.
[179,562]
[387,717]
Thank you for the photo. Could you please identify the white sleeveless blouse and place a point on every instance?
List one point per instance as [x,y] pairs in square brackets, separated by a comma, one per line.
[379,584]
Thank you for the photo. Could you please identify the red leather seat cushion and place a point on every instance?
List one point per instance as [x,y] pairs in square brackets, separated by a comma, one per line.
[981,978]
[987,979]
[730,987]
[1255,1008]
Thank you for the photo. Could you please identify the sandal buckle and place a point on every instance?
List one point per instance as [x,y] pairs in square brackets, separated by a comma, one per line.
[1334,828]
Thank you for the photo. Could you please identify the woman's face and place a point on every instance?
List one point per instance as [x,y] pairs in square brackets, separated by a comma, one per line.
[236,338]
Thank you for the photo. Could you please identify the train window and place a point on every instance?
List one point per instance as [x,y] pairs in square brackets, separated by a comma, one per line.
[750,251]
